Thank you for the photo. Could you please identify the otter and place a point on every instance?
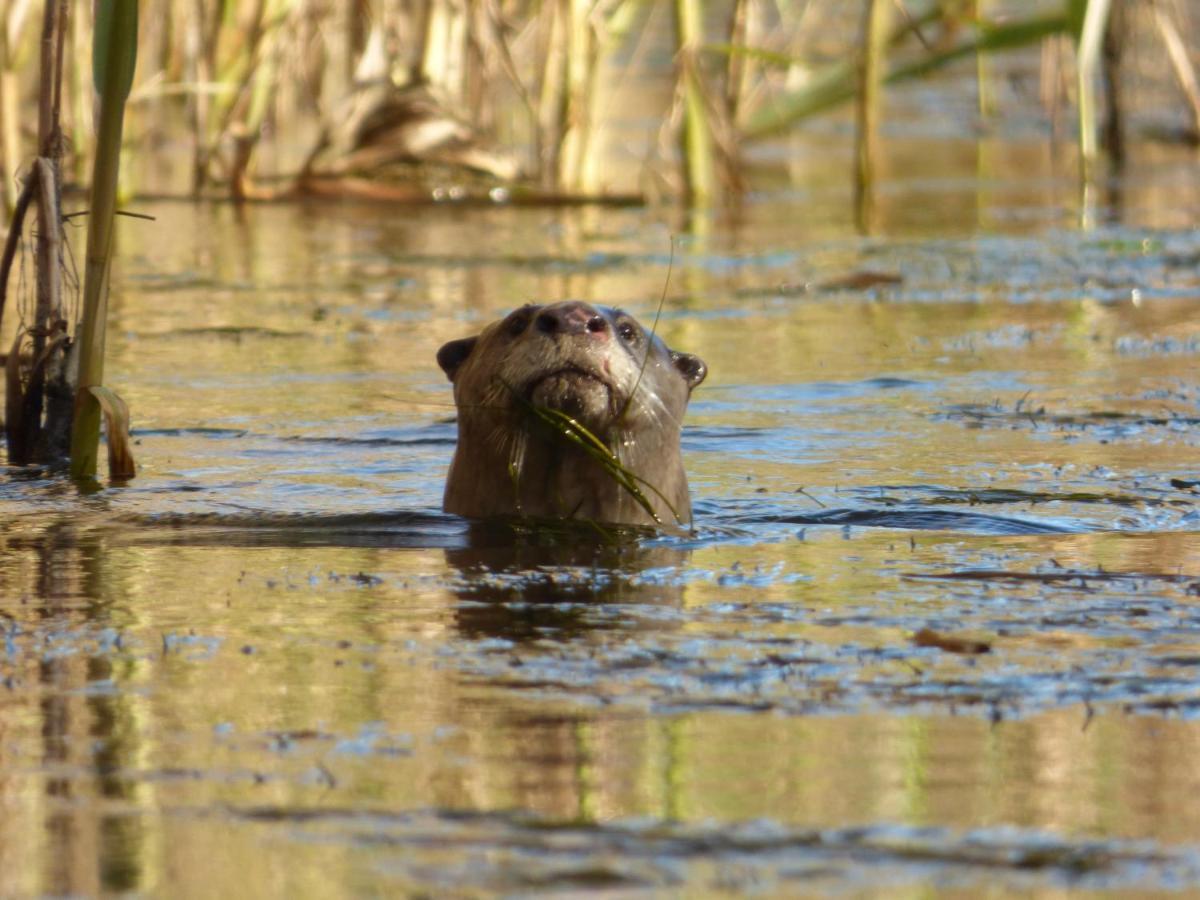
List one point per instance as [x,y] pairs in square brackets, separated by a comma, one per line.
[543,366]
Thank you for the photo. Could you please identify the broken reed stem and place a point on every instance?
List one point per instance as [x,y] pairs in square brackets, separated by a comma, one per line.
[983,94]
[738,64]
[50,151]
[23,424]
[46,424]
[1112,52]
[49,246]
[25,402]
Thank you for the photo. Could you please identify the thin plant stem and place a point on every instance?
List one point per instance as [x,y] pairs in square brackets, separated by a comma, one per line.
[1087,70]
[698,153]
[876,24]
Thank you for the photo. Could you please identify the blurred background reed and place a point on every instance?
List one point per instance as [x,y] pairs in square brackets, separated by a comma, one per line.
[565,99]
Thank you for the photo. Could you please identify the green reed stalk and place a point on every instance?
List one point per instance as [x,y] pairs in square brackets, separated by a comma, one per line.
[80,112]
[698,154]
[983,80]
[113,62]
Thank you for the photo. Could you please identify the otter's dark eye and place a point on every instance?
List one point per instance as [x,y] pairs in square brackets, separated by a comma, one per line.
[628,332]
[516,324]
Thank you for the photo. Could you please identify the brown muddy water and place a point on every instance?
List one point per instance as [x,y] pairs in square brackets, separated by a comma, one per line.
[937,630]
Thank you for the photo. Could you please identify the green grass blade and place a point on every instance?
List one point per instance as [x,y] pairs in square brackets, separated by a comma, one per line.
[836,83]
[697,145]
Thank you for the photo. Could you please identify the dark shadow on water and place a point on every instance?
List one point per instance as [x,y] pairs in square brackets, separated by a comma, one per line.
[975,415]
[934,496]
[523,581]
[909,519]
[522,544]
[762,857]
[407,529]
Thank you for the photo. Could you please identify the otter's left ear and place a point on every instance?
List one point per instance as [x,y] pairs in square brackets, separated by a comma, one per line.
[691,367]
[454,354]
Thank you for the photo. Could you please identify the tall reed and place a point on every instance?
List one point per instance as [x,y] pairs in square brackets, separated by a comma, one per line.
[698,154]
[532,73]
[1087,69]
[113,63]
[34,429]
[873,45]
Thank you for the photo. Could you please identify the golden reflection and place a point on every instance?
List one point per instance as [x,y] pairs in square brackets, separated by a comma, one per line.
[147,681]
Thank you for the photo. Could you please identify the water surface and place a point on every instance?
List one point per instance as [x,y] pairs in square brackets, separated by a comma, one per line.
[937,625]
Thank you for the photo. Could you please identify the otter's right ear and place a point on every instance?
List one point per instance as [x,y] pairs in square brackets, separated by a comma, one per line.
[690,366]
[454,354]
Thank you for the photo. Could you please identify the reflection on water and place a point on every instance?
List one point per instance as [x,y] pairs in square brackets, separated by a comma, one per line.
[547,583]
[271,659]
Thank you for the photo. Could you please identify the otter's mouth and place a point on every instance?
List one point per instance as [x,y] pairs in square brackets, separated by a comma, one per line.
[577,392]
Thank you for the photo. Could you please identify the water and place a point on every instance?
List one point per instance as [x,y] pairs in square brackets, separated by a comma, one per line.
[937,626]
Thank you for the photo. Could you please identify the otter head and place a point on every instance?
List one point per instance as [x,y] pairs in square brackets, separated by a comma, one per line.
[599,367]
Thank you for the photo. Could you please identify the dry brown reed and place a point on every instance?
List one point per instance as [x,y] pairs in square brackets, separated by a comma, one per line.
[267,97]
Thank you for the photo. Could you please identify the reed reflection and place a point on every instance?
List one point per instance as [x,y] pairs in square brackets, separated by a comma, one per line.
[68,737]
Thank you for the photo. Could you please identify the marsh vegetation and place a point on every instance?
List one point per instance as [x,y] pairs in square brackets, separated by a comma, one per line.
[278,96]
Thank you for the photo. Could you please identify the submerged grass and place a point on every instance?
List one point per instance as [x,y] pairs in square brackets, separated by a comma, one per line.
[574,432]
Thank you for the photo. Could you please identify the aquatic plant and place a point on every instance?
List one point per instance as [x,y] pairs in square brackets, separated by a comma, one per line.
[573,432]
[36,391]
[114,61]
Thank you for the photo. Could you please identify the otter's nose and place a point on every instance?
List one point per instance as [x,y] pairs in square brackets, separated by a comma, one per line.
[573,317]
